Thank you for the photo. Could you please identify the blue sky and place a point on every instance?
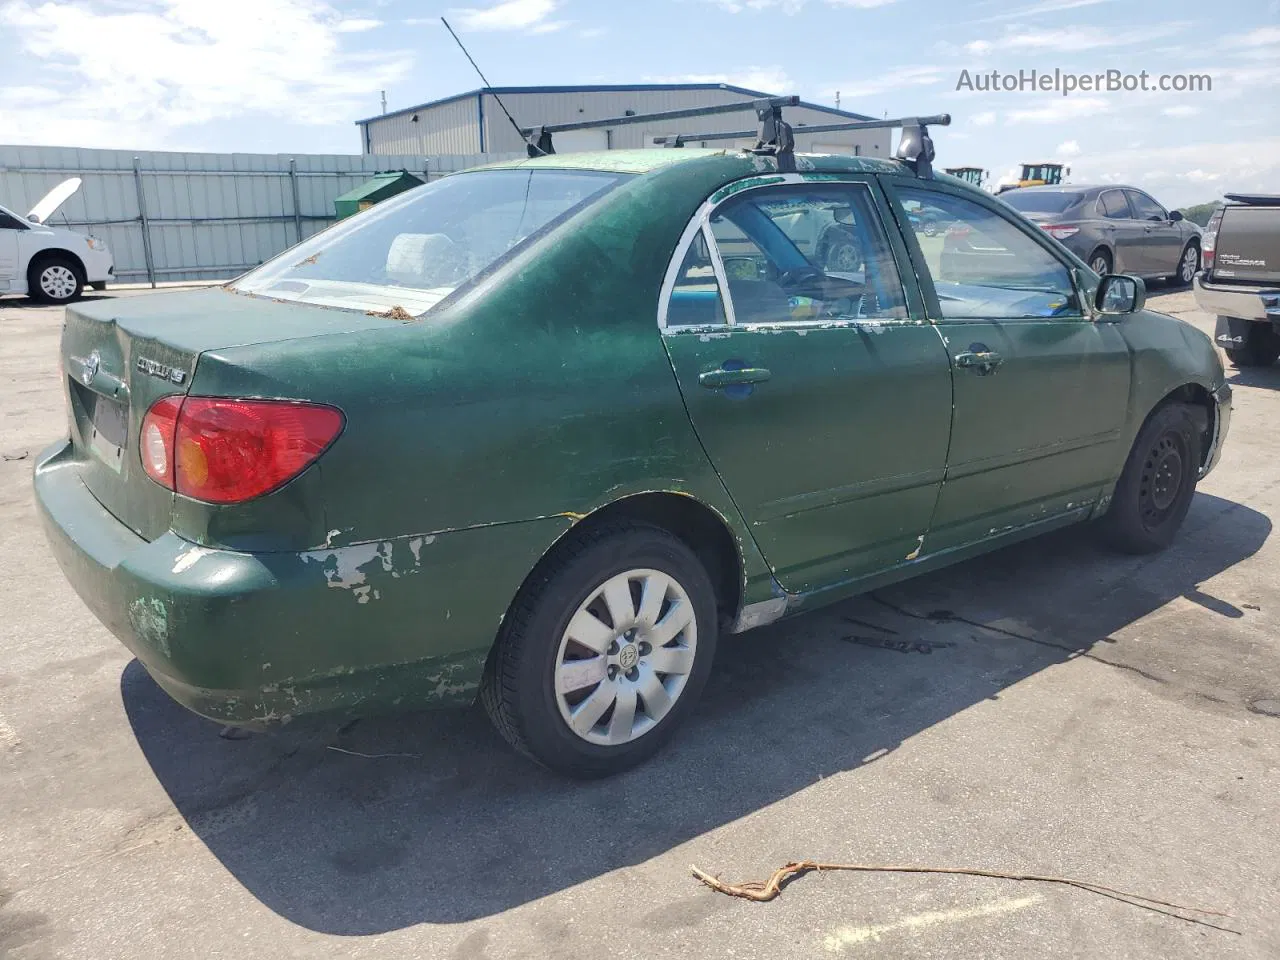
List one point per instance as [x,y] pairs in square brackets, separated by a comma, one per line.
[292,75]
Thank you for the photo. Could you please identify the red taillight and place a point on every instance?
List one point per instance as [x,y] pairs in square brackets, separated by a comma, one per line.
[227,451]
[1209,242]
[1059,232]
[155,441]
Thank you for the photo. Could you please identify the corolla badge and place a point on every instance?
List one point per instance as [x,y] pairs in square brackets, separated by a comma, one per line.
[165,372]
[89,367]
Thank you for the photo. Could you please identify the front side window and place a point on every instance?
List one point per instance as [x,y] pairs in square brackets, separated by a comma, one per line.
[984,267]
[1144,208]
[414,250]
[803,253]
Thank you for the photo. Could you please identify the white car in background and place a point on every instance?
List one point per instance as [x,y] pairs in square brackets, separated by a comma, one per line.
[51,264]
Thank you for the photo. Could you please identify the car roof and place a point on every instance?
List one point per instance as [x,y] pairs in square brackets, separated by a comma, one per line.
[649,161]
[1078,187]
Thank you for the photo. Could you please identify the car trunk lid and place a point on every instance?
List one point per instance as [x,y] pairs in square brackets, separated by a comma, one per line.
[120,356]
[1247,247]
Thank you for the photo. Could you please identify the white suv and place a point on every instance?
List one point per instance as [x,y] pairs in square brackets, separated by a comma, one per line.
[50,263]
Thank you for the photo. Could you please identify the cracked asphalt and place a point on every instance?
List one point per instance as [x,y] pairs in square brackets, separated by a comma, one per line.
[1052,708]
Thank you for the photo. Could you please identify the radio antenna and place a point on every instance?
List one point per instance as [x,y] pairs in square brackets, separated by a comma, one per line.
[489,88]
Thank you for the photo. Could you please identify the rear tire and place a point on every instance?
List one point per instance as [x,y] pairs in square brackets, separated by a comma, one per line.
[54,278]
[1155,488]
[596,708]
[1100,262]
[1261,347]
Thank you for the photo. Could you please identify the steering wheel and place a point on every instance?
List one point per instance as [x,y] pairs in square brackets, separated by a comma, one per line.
[800,277]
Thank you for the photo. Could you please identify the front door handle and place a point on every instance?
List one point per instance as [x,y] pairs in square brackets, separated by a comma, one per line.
[716,379]
[983,361]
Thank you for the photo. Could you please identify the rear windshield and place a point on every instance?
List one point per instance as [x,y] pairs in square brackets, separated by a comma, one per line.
[1038,201]
[408,253]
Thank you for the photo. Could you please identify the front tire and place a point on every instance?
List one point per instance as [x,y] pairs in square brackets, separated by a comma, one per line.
[605,651]
[1159,479]
[54,279]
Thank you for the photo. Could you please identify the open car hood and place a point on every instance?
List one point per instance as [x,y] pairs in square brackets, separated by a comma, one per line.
[52,200]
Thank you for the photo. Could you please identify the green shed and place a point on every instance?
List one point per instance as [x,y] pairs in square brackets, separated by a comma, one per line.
[375,190]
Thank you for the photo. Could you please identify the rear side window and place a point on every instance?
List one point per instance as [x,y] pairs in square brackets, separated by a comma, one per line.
[984,267]
[807,252]
[696,298]
[1040,201]
[414,250]
[1112,205]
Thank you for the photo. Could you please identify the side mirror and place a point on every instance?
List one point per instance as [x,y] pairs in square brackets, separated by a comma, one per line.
[1174,216]
[1118,294]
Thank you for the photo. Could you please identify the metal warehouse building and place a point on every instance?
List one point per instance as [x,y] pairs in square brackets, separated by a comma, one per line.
[471,123]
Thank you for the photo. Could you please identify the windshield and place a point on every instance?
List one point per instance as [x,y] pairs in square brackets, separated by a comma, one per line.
[407,254]
[1041,201]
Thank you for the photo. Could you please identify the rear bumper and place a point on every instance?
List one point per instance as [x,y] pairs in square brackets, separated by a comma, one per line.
[260,639]
[1244,303]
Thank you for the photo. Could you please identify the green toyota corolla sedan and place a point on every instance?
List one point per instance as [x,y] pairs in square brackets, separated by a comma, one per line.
[540,433]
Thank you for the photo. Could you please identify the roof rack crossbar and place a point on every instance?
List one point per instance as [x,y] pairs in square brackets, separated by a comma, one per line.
[685,114]
[940,120]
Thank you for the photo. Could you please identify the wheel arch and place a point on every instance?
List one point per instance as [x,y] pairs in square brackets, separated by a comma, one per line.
[1101,247]
[700,527]
[1200,400]
[56,253]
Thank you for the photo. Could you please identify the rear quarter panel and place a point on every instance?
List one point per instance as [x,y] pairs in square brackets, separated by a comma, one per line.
[543,393]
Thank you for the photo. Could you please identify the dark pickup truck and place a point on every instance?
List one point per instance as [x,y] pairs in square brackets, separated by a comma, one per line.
[1240,281]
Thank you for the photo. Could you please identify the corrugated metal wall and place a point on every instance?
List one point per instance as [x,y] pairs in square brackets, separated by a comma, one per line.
[453,126]
[450,128]
[207,215]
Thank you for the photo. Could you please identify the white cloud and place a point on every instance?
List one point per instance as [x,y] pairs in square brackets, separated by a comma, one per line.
[1073,39]
[1035,9]
[984,119]
[133,73]
[887,80]
[508,15]
[792,6]
[1068,149]
[1180,110]
[592,33]
[356,25]
[1066,108]
[1261,37]
[772,80]
[1189,173]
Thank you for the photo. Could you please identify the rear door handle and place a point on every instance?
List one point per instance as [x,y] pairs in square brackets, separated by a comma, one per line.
[984,361]
[716,379]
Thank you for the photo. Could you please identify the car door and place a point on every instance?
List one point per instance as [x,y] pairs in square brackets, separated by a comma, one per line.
[9,228]
[1162,244]
[1041,391]
[817,391]
[1127,236]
